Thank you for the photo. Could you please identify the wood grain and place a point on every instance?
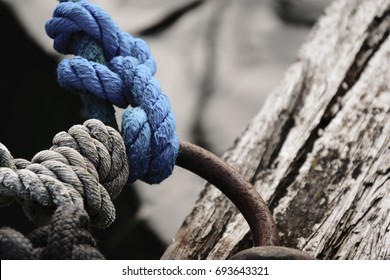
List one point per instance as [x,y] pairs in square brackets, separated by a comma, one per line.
[318,151]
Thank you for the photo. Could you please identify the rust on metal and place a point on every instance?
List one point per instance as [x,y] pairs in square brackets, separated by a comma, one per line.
[243,195]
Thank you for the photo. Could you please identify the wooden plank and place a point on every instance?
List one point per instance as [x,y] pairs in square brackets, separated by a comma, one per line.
[318,151]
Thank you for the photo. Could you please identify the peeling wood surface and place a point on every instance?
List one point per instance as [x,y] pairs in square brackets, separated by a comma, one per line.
[318,152]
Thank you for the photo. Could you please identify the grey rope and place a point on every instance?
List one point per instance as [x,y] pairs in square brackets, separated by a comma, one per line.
[14,245]
[66,236]
[86,166]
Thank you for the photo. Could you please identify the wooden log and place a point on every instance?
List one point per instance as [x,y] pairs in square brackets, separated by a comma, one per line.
[318,151]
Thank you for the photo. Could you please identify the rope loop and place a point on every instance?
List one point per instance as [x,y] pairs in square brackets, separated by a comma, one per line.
[126,77]
[87,167]
[80,16]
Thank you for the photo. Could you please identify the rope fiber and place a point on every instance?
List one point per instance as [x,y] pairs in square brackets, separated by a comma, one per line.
[67,236]
[123,76]
[86,166]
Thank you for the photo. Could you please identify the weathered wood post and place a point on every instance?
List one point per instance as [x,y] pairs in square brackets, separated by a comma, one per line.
[318,151]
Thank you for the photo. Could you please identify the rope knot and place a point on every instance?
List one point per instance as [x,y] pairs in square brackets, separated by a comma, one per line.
[123,75]
[87,167]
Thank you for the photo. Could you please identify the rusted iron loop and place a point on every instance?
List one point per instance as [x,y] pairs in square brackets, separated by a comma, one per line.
[243,195]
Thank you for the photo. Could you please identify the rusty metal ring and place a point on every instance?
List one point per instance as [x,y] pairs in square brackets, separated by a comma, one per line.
[243,195]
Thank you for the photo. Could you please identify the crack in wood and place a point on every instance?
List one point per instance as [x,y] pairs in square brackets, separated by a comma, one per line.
[378,32]
[342,233]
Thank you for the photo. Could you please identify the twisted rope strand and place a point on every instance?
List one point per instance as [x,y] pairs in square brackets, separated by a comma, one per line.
[71,17]
[86,166]
[124,76]
[103,147]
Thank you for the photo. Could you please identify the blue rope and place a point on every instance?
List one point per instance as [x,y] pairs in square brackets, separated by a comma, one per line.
[124,77]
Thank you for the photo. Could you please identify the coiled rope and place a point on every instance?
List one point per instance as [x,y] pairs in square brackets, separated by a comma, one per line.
[118,68]
[86,166]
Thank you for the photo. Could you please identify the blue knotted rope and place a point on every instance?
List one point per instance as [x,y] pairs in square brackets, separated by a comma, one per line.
[118,68]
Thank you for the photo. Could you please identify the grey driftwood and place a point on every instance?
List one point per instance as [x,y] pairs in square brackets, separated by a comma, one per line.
[318,151]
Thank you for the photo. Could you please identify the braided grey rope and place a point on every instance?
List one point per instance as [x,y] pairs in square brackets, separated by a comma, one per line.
[86,166]
[66,236]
